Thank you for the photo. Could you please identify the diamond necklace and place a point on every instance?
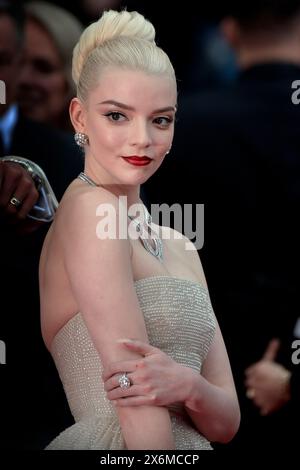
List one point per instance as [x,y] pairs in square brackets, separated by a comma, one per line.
[82,176]
[157,248]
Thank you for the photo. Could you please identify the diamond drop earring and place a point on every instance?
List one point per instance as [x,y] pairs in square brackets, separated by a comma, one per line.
[81,139]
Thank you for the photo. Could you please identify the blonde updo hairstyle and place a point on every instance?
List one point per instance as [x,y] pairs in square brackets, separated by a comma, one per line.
[119,39]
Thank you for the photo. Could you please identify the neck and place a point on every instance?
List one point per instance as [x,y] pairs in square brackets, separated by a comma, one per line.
[132,193]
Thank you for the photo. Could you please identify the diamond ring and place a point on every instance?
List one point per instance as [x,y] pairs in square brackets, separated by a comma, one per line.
[124,381]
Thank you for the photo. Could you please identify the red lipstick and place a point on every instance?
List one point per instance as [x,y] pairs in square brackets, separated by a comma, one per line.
[137,161]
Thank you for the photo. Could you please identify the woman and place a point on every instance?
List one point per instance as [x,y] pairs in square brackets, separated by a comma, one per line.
[102,284]
[46,85]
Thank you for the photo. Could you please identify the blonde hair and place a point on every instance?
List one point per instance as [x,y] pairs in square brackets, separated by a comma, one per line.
[123,39]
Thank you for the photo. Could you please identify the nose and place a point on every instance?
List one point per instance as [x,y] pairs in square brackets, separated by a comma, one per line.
[140,136]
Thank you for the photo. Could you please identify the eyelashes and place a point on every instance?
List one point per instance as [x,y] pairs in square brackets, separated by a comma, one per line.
[161,121]
[115,116]
[166,123]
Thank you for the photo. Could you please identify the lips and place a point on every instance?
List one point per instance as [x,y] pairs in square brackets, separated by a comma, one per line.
[137,161]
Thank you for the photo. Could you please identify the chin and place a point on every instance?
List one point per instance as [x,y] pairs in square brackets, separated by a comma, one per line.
[137,179]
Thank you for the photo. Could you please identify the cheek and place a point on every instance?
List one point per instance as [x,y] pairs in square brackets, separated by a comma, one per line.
[164,141]
[109,138]
[116,138]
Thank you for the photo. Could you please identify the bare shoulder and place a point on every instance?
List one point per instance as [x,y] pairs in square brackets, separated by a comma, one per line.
[82,270]
[84,208]
[83,201]
[94,215]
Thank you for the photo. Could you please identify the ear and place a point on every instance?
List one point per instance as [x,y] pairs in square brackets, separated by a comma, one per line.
[231,31]
[77,115]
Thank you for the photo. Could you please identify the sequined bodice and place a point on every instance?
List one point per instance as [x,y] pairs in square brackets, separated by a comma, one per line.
[179,320]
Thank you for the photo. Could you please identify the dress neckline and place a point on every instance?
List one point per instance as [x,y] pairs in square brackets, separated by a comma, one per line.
[154,278]
[175,278]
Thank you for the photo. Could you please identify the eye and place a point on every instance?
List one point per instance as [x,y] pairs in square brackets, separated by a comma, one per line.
[163,121]
[115,116]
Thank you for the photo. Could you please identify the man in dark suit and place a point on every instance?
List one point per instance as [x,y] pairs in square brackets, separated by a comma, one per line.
[33,406]
[238,152]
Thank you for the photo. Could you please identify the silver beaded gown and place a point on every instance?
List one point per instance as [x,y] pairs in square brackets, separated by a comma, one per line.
[179,320]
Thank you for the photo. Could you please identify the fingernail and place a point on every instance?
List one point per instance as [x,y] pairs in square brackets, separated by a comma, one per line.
[124,340]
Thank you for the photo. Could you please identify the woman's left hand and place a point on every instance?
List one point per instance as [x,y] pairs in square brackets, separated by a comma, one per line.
[155,378]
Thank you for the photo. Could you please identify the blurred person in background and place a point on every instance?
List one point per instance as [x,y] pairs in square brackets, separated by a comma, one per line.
[240,148]
[46,86]
[33,407]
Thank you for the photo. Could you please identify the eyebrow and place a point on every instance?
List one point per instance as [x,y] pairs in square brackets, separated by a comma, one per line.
[130,108]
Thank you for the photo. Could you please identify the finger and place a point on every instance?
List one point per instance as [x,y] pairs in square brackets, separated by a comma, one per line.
[8,187]
[113,382]
[110,384]
[27,194]
[258,400]
[249,371]
[28,203]
[120,367]
[249,383]
[134,401]
[133,390]
[253,370]
[264,410]
[139,346]
[272,350]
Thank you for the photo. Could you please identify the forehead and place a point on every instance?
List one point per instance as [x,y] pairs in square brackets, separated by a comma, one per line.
[134,88]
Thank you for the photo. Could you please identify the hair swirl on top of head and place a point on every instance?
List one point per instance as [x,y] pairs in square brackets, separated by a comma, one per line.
[124,39]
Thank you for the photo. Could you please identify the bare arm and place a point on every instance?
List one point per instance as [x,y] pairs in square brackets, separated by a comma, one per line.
[212,401]
[210,398]
[102,283]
